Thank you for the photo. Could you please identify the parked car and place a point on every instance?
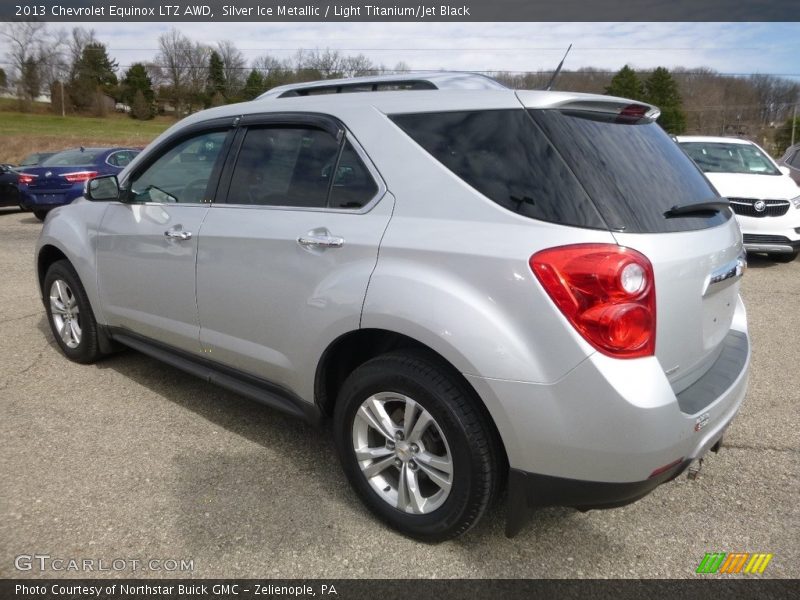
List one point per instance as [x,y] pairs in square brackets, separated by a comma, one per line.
[765,199]
[35,159]
[60,178]
[480,287]
[791,161]
[9,194]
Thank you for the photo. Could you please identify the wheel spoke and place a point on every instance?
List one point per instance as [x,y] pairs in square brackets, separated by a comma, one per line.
[409,417]
[377,467]
[402,489]
[420,426]
[75,329]
[435,476]
[375,414]
[415,497]
[56,306]
[440,463]
[367,453]
[61,290]
[66,333]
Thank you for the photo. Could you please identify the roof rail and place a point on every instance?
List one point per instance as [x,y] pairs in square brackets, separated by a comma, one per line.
[383,83]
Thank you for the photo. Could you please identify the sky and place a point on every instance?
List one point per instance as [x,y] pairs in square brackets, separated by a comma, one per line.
[740,48]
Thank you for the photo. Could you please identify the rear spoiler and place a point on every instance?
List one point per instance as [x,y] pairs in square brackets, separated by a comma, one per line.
[590,103]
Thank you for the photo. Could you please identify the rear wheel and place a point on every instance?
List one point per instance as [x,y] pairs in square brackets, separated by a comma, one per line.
[785,258]
[70,314]
[416,447]
[40,214]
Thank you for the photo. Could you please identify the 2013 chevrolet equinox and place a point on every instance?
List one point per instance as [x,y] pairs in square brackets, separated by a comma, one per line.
[481,287]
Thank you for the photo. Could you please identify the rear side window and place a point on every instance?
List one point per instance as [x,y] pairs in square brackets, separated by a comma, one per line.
[633,171]
[299,167]
[505,156]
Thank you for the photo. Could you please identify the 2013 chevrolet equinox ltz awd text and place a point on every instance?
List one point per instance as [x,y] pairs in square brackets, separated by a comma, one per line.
[482,288]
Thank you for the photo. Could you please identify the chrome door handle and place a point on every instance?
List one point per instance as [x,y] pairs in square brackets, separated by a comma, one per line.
[178,234]
[320,241]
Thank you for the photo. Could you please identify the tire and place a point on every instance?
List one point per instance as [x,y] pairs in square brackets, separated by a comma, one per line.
[40,214]
[785,258]
[69,314]
[453,460]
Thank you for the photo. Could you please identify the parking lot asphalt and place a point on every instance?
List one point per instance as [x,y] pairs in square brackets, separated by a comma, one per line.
[132,459]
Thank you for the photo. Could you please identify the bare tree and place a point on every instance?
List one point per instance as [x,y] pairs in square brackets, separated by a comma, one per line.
[357,66]
[34,52]
[234,66]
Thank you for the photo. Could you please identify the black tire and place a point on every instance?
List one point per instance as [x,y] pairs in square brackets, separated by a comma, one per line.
[87,348]
[40,214]
[785,258]
[477,461]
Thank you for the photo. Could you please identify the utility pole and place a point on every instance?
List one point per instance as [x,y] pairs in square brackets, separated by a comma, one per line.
[794,121]
[62,98]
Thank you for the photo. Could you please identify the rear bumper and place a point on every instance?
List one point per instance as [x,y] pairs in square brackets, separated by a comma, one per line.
[46,200]
[527,491]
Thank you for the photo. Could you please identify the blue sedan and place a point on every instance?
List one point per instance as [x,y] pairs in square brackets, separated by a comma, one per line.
[61,178]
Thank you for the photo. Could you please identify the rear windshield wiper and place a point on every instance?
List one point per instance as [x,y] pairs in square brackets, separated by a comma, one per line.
[715,205]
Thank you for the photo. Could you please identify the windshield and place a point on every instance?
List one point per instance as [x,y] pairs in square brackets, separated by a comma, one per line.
[72,158]
[719,157]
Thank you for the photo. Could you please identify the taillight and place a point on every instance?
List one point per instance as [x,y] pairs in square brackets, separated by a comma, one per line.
[606,291]
[79,176]
[26,178]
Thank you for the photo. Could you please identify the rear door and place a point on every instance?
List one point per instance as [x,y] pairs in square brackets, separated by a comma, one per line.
[147,245]
[283,265]
[634,173]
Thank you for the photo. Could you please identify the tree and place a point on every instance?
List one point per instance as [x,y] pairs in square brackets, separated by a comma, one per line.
[30,81]
[626,84]
[3,80]
[93,75]
[216,75]
[135,82]
[783,137]
[141,108]
[662,91]
[234,65]
[254,85]
[30,43]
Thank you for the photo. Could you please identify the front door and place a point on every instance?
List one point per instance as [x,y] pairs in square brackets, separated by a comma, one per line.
[147,244]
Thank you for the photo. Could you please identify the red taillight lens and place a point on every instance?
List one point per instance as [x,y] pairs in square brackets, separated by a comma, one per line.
[26,178]
[79,176]
[606,291]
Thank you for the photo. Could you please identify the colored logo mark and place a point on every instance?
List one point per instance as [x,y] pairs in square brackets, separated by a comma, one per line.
[733,562]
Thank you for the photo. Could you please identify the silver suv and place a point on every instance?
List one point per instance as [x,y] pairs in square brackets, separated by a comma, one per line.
[482,289]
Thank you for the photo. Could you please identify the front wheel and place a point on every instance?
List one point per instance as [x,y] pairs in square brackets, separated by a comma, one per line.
[416,446]
[70,314]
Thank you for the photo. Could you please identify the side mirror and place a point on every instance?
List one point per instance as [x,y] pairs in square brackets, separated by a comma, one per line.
[785,170]
[103,188]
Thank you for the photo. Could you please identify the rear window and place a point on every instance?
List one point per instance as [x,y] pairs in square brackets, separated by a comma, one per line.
[503,155]
[633,171]
[569,167]
[72,158]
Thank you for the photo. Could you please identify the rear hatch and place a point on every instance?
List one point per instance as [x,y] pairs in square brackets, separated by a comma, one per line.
[635,175]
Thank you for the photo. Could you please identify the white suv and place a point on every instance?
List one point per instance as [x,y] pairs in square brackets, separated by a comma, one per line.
[764,197]
[479,287]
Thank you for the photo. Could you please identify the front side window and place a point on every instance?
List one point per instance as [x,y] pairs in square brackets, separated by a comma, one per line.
[299,167]
[182,173]
[717,157]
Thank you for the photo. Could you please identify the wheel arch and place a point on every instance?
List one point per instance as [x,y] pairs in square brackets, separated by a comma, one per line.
[354,348]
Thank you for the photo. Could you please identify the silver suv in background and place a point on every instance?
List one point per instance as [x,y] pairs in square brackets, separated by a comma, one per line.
[482,288]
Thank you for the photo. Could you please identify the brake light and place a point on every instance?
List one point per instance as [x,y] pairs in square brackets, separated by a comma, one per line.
[79,176]
[26,178]
[607,292]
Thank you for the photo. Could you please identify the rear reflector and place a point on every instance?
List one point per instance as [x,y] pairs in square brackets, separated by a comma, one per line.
[607,292]
[660,470]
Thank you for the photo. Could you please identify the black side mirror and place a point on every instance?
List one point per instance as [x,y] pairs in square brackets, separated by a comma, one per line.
[103,188]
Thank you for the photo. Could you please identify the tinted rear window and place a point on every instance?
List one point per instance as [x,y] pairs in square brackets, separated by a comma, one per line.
[72,158]
[633,172]
[505,156]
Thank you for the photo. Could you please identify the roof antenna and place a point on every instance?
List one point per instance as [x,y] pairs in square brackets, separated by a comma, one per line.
[558,70]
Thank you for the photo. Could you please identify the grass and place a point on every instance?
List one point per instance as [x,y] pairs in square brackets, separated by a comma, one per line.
[23,133]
